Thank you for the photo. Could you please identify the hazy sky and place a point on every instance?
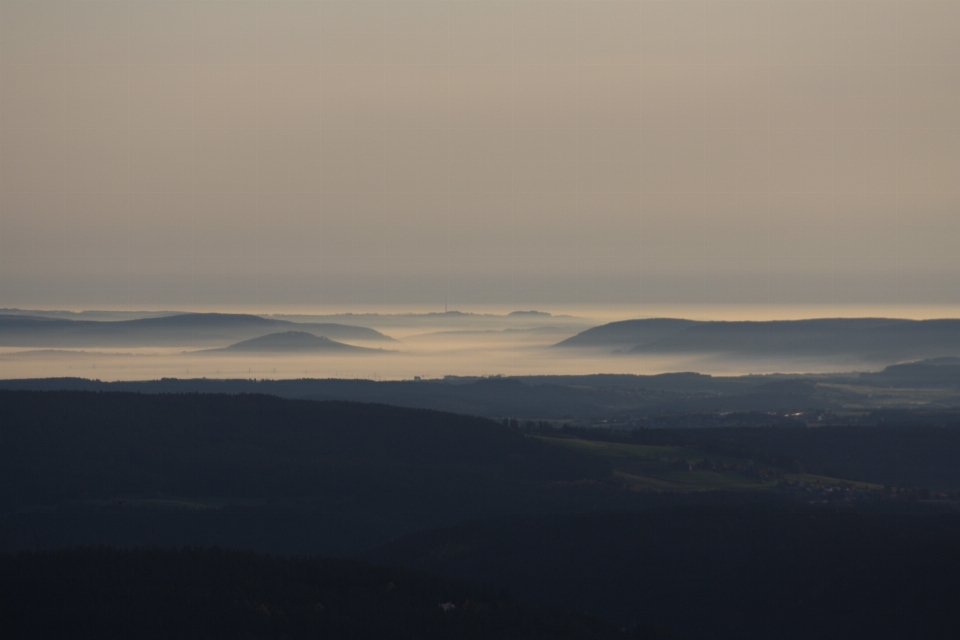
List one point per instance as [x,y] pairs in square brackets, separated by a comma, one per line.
[165,152]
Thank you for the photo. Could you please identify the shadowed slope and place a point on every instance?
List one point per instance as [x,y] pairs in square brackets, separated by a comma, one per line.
[216,594]
[737,573]
[262,472]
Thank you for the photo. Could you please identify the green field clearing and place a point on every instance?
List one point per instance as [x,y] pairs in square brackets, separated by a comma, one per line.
[689,481]
[826,481]
[655,468]
[637,451]
[867,397]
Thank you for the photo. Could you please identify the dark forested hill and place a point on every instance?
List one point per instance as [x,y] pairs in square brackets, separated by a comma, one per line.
[719,573]
[64,445]
[80,467]
[214,594]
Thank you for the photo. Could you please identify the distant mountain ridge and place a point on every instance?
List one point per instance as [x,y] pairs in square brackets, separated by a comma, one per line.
[627,333]
[922,373]
[868,338]
[206,329]
[292,342]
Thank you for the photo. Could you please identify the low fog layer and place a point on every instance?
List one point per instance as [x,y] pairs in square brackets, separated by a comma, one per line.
[433,345]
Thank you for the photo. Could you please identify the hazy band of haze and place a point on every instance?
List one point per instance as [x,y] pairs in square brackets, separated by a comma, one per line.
[191,153]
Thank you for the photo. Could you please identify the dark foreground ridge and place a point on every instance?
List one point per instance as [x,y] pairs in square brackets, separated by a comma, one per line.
[213,594]
[737,573]
[724,533]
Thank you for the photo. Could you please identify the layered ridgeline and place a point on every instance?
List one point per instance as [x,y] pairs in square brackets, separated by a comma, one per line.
[201,329]
[291,342]
[591,398]
[654,400]
[877,339]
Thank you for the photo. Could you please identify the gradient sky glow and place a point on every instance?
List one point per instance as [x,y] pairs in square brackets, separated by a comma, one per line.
[230,152]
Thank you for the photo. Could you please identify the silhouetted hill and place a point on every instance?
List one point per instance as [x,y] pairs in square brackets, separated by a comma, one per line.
[865,338]
[721,573]
[292,342]
[66,445]
[934,372]
[264,472]
[627,333]
[211,593]
[177,330]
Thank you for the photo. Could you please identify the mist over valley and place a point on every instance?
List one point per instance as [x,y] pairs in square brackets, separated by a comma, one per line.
[434,345]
